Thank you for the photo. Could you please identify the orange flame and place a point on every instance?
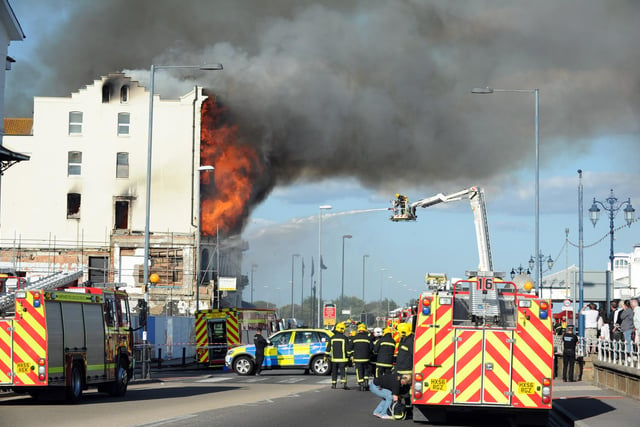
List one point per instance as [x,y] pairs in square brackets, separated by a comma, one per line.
[225,198]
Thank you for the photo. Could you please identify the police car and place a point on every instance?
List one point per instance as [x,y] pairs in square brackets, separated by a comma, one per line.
[288,349]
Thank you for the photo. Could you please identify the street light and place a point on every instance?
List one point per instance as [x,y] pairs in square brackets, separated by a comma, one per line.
[293,312]
[253,269]
[382,270]
[518,270]
[148,181]
[532,264]
[322,207]
[345,236]
[614,207]
[205,168]
[363,301]
[536,92]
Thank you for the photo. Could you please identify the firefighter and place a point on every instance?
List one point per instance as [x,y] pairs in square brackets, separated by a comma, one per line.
[383,350]
[339,349]
[404,361]
[361,354]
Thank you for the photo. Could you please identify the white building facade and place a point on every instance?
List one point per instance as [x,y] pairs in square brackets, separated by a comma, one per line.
[79,203]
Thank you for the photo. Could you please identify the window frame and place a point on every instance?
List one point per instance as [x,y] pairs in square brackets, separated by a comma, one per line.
[124,128]
[75,123]
[71,164]
[122,168]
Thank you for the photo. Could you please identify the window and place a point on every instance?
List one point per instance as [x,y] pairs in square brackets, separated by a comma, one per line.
[73,206]
[123,123]
[122,165]
[75,163]
[122,215]
[75,122]
[106,93]
[124,94]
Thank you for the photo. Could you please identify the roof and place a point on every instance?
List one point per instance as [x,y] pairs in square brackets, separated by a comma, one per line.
[18,126]
[10,21]
[7,155]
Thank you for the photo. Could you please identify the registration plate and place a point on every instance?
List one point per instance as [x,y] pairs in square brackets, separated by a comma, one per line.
[438,384]
[22,367]
[526,387]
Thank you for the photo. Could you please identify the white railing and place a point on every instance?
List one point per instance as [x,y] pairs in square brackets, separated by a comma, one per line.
[617,352]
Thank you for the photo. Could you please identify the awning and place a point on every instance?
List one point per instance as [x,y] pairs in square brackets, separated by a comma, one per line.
[8,158]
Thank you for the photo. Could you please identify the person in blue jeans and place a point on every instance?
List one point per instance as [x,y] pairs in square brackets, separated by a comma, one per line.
[389,388]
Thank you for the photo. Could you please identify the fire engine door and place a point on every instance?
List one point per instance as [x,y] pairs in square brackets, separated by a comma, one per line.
[217,337]
[482,371]
[6,351]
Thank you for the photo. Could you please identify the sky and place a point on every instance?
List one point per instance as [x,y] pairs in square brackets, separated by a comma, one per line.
[350,102]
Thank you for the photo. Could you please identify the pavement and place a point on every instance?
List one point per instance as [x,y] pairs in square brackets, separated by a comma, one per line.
[585,404]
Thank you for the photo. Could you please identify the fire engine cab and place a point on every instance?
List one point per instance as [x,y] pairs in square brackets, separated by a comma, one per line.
[65,340]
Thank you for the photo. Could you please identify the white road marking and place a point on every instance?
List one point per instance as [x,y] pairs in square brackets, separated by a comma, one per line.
[291,380]
[214,380]
[168,420]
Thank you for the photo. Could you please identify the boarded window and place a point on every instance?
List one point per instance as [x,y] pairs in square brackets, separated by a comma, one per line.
[124,94]
[75,122]
[122,215]
[73,205]
[74,163]
[123,123]
[122,165]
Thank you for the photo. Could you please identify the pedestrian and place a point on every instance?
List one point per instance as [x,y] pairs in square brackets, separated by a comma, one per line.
[626,325]
[636,319]
[389,387]
[404,359]
[384,350]
[339,349]
[260,343]
[590,326]
[361,354]
[569,341]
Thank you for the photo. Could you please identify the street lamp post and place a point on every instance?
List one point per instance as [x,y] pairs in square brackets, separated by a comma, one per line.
[363,301]
[536,92]
[382,270]
[322,207]
[253,269]
[541,259]
[293,311]
[612,209]
[148,180]
[345,236]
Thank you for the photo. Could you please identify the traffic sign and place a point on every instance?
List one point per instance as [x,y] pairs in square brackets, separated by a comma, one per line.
[330,314]
[567,303]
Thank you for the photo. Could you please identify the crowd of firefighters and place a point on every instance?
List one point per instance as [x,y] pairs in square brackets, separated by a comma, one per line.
[372,354]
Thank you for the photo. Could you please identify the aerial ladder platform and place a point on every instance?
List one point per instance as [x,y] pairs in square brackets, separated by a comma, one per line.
[53,281]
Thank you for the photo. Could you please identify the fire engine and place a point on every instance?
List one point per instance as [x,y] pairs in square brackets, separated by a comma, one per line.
[220,329]
[481,344]
[59,339]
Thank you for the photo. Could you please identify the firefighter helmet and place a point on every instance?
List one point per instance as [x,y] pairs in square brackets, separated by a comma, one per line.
[340,327]
[386,331]
[377,332]
[362,327]
[404,329]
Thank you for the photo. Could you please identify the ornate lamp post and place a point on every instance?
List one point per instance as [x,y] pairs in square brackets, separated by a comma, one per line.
[612,207]
[345,236]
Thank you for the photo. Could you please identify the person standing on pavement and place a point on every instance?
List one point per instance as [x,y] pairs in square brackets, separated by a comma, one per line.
[384,350]
[626,325]
[569,341]
[636,319]
[590,326]
[389,387]
[260,343]
[361,354]
[339,349]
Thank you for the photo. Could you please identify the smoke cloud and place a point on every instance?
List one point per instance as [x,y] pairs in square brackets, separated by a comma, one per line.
[377,90]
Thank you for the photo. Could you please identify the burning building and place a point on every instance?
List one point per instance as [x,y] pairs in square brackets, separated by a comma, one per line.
[80,202]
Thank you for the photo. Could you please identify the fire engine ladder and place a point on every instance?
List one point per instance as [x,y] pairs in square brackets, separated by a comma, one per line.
[52,281]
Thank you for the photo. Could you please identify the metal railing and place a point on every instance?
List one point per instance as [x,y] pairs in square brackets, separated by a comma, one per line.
[616,352]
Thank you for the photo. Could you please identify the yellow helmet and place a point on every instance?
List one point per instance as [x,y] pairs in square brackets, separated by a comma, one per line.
[340,327]
[362,327]
[404,329]
[386,331]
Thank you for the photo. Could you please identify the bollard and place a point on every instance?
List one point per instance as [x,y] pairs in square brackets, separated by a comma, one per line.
[159,358]
[184,356]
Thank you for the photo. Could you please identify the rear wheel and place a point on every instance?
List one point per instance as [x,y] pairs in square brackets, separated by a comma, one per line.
[320,366]
[74,390]
[243,365]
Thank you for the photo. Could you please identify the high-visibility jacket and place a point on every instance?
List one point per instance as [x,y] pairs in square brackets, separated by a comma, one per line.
[339,347]
[361,347]
[384,349]
[404,361]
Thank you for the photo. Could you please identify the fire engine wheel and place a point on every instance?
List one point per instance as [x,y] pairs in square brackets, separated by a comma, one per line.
[320,366]
[243,365]
[74,390]
[119,387]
